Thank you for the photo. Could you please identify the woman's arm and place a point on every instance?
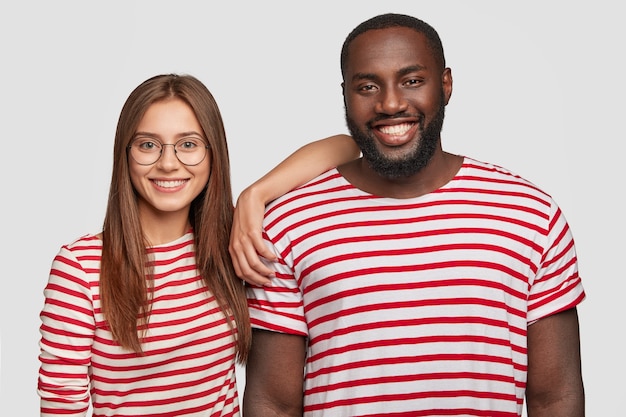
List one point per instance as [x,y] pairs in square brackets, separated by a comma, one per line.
[309,161]
[67,332]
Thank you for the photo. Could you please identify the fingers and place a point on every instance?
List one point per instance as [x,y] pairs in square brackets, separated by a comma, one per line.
[247,247]
[257,244]
[246,261]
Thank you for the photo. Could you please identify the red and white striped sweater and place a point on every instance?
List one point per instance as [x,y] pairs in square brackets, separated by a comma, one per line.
[188,366]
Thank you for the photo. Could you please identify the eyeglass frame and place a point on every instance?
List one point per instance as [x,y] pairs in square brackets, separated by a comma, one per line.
[130,145]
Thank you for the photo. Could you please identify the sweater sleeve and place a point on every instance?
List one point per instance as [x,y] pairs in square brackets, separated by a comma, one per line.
[67,331]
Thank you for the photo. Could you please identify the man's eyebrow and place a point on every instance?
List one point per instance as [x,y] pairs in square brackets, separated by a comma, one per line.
[364,76]
[403,71]
[410,69]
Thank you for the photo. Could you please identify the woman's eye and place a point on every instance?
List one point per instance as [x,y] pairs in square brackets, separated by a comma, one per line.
[188,145]
[148,145]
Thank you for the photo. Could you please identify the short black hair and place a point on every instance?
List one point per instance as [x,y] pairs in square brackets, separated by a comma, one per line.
[389,20]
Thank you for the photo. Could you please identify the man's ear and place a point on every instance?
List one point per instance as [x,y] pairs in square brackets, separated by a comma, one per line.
[446,84]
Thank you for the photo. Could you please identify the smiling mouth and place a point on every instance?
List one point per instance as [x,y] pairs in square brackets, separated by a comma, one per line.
[169,184]
[395,130]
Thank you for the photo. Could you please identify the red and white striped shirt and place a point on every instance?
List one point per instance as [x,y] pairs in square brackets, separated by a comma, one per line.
[419,306]
[188,366]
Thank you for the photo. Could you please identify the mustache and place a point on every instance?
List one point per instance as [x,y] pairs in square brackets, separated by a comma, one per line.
[382,117]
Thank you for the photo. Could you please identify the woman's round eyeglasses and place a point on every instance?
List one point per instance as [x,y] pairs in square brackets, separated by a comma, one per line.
[190,151]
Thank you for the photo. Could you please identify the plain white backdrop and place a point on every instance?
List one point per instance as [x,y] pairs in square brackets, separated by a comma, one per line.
[538,88]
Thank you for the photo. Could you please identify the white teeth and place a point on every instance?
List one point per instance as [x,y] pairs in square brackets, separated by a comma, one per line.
[395,130]
[169,184]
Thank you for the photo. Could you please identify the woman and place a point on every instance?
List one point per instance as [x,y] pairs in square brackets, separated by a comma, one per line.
[148,318]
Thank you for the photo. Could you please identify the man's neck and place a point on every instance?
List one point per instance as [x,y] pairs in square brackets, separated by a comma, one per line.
[442,167]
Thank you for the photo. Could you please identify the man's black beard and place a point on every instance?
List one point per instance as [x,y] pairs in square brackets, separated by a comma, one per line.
[411,164]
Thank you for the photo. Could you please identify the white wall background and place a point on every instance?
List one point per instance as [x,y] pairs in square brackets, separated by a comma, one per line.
[538,88]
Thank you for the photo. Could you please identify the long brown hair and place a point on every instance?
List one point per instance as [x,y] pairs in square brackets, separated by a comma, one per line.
[124,278]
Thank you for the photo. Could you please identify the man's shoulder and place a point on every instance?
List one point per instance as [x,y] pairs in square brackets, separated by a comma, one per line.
[323,183]
[479,168]
[307,199]
[489,178]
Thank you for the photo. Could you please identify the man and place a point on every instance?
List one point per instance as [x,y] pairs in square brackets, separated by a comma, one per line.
[412,281]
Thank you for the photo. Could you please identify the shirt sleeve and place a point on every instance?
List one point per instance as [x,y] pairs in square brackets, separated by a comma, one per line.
[279,306]
[557,285]
[67,331]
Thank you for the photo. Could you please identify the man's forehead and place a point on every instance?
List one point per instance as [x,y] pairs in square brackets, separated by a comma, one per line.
[381,48]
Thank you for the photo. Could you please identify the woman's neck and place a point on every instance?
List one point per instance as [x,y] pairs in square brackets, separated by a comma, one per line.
[163,227]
